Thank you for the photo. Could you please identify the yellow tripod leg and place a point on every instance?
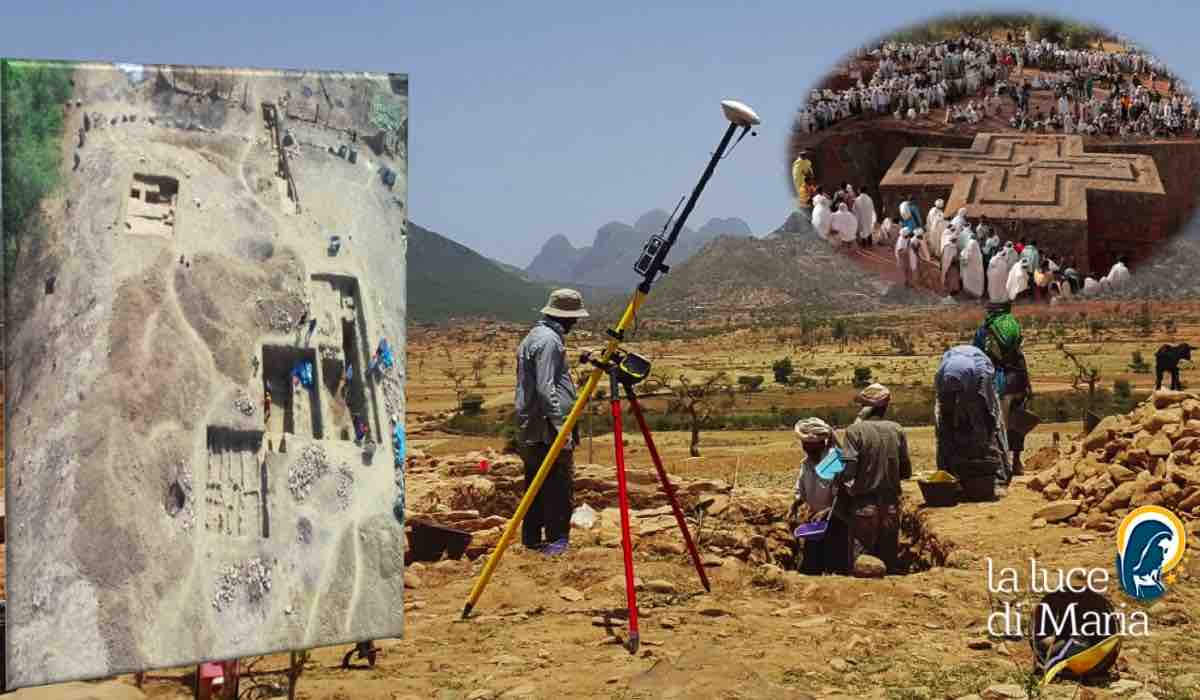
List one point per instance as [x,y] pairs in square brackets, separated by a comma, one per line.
[514,522]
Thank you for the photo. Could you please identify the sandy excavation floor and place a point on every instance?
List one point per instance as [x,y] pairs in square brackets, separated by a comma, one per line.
[156,514]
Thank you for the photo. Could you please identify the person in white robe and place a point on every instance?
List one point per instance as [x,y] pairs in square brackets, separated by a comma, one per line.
[915,254]
[960,217]
[949,249]
[902,254]
[992,245]
[997,277]
[1018,280]
[936,215]
[972,269]
[844,225]
[923,248]
[822,216]
[965,234]
[864,209]
[1119,275]
[1011,256]
[883,234]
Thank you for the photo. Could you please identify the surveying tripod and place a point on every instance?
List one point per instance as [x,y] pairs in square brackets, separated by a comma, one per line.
[625,370]
[650,264]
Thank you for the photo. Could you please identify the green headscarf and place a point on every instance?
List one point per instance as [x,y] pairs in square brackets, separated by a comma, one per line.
[1005,332]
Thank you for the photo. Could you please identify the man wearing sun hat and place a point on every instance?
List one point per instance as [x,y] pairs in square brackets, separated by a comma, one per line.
[545,394]
[875,453]
[829,554]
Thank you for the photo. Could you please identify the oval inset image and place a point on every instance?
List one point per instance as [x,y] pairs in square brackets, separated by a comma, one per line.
[998,158]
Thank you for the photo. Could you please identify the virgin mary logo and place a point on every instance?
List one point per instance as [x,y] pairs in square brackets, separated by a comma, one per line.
[1150,543]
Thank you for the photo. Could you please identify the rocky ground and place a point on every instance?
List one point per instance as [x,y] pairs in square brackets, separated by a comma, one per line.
[548,628]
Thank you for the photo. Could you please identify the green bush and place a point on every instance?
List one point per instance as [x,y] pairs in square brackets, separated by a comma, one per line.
[471,404]
[34,94]
[782,369]
[751,382]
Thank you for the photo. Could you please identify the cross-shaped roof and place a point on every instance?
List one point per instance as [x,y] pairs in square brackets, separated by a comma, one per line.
[1029,176]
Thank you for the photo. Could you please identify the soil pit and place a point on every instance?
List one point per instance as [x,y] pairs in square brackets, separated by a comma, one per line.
[236,486]
[150,208]
[340,298]
[294,408]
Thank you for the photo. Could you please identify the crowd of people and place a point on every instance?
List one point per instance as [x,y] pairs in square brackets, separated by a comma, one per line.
[975,259]
[1095,92]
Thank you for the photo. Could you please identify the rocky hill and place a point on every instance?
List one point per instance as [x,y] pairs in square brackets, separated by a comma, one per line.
[556,260]
[449,280]
[788,271]
[608,262]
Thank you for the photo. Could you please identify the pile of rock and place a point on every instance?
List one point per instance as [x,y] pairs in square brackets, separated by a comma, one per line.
[1149,457]
[306,471]
[252,576]
[243,404]
[744,523]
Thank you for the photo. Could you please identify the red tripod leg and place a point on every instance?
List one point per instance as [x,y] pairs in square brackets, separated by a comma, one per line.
[669,489]
[626,541]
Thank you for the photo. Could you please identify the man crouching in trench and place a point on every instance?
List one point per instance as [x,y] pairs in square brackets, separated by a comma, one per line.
[865,496]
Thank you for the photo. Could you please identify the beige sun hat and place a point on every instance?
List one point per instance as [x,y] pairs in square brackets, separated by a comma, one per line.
[565,303]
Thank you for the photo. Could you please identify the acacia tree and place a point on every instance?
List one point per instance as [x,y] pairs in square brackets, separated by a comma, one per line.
[459,379]
[456,376]
[478,364]
[1085,375]
[700,401]
[840,332]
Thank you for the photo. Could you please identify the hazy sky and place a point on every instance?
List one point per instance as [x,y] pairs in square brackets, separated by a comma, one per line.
[535,118]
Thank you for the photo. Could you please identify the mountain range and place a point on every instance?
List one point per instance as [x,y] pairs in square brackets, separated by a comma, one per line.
[788,271]
[608,262]
[720,267]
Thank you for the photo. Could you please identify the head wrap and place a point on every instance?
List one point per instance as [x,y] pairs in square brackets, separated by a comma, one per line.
[813,430]
[875,395]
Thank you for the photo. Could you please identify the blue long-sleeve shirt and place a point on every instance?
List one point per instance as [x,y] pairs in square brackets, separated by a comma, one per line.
[545,390]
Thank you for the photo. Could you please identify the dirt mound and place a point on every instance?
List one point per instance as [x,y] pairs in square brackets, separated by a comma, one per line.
[1150,456]
[744,523]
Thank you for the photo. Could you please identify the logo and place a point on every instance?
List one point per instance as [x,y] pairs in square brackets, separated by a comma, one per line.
[1150,543]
